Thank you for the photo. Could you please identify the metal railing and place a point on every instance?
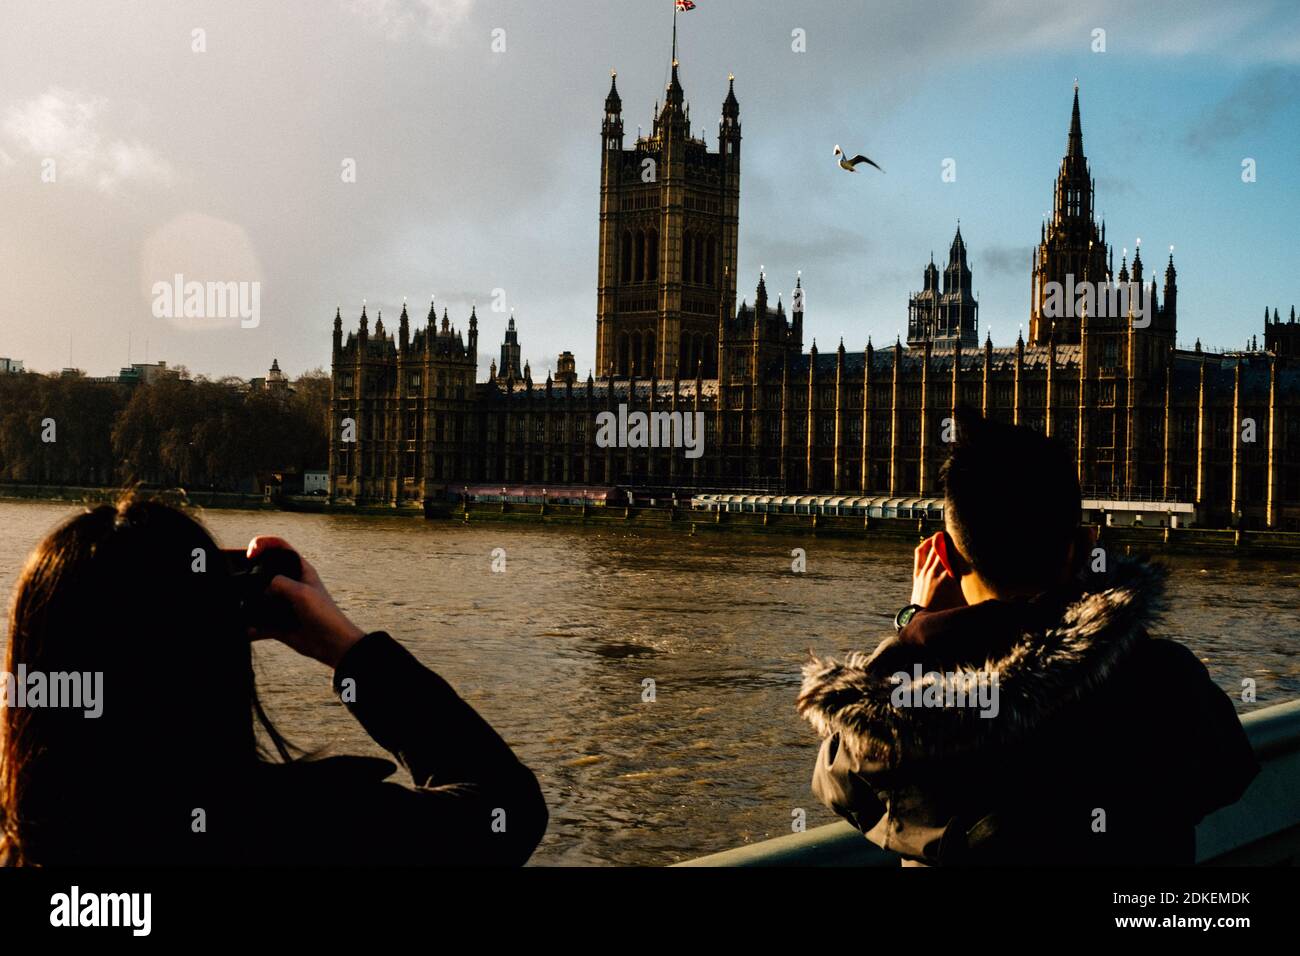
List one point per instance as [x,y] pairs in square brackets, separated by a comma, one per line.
[1096,492]
[1260,829]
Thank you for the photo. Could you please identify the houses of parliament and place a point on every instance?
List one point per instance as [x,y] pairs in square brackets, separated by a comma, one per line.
[1146,419]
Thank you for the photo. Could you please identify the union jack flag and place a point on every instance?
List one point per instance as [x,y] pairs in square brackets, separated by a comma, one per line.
[684,5]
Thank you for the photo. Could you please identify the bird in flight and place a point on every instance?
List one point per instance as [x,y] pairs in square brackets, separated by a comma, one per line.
[851,164]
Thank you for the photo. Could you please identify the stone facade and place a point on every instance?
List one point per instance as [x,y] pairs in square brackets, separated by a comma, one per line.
[1145,418]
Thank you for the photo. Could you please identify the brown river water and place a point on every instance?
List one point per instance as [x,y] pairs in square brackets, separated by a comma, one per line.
[553,651]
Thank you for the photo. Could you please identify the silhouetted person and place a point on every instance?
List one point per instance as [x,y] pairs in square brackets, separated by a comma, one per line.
[171,771]
[1079,738]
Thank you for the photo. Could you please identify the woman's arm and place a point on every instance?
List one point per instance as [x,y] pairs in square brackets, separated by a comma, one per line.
[479,804]
[475,802]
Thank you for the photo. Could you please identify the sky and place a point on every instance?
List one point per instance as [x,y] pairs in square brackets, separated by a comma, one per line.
[336,151]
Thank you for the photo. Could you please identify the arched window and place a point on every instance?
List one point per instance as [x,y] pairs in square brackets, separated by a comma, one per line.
[710,275]
[652,252]
[621,362]
[639,256]
[688,241]
[650,362]
[699,258]
[627,255]
[635,367]
[683,358]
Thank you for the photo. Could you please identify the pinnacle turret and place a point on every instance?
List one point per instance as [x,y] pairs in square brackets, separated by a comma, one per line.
[731,105]
[613,102]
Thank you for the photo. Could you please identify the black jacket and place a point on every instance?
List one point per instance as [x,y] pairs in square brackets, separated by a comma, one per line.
[473,802]
[1102,744]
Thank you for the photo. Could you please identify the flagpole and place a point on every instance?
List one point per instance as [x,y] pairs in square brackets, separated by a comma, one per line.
[674,31]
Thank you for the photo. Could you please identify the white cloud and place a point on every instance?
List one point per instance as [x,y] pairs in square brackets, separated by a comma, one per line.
[67,127]
[132,160]
[434,20]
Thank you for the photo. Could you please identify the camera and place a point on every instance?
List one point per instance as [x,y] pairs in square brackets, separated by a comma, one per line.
[252,576]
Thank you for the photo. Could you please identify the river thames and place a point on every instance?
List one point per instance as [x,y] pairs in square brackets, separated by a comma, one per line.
[556,649]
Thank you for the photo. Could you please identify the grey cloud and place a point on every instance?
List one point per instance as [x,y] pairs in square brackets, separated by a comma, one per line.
[1002,260]
[435,21]
[1114,187]
[1247,108]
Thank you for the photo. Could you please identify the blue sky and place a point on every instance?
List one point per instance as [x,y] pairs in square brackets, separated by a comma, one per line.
[478,170]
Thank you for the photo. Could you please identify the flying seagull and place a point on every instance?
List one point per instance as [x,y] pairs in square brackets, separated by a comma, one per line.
[850,164]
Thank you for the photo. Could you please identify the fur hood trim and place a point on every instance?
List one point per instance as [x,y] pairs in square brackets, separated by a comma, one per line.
[1041,673]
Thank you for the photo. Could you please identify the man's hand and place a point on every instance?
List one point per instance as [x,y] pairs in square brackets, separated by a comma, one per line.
[933,588]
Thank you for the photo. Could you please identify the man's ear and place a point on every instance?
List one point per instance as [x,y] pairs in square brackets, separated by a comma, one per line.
[960,566]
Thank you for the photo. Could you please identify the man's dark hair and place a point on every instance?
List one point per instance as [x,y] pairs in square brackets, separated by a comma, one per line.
[1012,499]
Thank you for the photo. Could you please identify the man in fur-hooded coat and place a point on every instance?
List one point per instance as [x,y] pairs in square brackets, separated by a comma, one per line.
[1032,724]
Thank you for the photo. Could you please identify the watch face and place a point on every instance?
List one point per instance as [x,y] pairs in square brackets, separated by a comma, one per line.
[905,615]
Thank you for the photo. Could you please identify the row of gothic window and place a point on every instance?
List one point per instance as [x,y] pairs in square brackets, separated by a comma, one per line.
[636,355]
[639,259]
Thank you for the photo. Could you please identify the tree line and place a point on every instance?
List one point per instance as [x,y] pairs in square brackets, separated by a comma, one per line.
[177,432]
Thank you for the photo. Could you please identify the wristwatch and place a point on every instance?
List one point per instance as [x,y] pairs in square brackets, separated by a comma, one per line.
[905,615]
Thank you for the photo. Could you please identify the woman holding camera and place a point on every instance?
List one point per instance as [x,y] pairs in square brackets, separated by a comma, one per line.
[173,770]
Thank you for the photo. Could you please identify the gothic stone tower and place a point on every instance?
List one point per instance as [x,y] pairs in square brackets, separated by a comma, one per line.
[408,401]
[669,214]
[510,353]
[1070,245]
[947,316]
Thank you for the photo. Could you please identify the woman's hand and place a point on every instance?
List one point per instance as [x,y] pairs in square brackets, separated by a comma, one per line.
[933,588]
[323,632]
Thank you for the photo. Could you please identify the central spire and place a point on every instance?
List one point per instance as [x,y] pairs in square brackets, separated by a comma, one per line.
[1071,246]
[1073,201]
[1075,147]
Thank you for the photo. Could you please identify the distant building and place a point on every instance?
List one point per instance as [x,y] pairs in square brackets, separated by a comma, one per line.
[10,366]
[1145,419]
[143,373]
[314,482]
[138,373]
[273,381]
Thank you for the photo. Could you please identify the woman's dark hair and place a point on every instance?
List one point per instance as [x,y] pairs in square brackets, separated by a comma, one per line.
[139,593]
[1012,498]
